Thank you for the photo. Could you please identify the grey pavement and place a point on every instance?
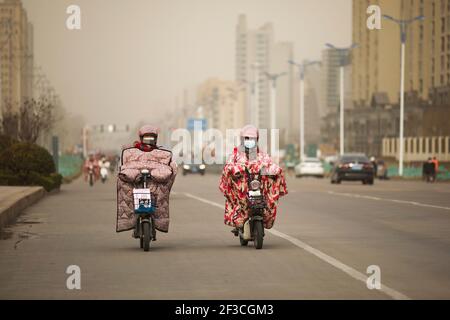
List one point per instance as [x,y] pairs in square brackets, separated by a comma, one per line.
[402,227]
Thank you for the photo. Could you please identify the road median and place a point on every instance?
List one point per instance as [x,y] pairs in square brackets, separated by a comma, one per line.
[13,200]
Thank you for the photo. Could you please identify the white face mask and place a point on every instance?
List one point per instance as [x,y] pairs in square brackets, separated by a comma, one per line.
[250,144]
[149,140]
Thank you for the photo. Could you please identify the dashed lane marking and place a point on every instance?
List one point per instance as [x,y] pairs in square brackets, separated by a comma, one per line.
[319,254]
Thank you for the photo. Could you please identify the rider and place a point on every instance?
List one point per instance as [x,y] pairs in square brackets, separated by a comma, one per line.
[90,161]
[148,137]
[104,165]
[248,155]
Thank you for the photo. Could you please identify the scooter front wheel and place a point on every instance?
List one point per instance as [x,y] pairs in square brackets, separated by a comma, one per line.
[258,234]
[146,236]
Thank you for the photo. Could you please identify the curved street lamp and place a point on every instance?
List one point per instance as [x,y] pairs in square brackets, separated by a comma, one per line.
[403,24]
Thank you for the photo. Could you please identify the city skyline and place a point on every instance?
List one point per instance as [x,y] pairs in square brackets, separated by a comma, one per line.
[206,36]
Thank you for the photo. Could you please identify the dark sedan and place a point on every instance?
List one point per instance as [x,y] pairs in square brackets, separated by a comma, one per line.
[353,167]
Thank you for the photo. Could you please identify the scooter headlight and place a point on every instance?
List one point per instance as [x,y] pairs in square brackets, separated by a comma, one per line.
[186,167]
[255,185]
[202,166]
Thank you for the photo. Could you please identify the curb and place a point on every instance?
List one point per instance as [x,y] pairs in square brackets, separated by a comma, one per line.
[11,209]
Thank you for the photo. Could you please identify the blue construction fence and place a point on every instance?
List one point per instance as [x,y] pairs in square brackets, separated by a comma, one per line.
[70,165]
[416,172]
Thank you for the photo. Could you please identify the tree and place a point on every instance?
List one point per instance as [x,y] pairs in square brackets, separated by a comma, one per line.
[35,117]
[10,122]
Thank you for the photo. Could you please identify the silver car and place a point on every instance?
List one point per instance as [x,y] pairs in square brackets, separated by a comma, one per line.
[310,167]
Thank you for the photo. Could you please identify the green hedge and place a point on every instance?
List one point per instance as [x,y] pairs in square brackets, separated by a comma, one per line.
[6,142]
[27,164]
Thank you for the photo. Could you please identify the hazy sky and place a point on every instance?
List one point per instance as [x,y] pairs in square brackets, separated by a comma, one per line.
[133,57]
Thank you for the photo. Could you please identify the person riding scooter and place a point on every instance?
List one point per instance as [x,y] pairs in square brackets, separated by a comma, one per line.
[91,169]
[104,165]
[146,175]
[251,179]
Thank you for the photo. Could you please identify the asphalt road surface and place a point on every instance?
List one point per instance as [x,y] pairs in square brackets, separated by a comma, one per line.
[323,242]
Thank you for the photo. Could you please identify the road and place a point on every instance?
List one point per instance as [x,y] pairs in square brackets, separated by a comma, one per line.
[324,239]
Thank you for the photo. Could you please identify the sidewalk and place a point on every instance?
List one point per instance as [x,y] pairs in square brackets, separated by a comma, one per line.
[13,200]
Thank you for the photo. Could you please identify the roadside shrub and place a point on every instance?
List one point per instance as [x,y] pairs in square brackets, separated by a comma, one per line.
[27,164]
[8,179]
[23,157]
[6,142]
[49,183]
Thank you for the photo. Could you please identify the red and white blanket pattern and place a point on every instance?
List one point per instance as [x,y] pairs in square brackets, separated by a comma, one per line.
[234,186]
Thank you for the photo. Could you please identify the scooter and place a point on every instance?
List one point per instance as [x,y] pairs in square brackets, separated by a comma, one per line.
[91,175]
[104,174]
[253,229]
[144,208]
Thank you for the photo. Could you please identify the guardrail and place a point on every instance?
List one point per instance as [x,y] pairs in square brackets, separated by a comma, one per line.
[418,148]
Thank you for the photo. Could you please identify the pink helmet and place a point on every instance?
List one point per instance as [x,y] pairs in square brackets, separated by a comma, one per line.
[249,131]
[148,129]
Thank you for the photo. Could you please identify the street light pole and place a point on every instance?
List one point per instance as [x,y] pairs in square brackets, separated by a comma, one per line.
[255,104]
[342,52]
[273,96]
[341,110]
[403,24]
[402,109]
[302,69]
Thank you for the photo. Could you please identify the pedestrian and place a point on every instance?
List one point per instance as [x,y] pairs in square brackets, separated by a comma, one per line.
[429,170]
[436,164]
[374,165]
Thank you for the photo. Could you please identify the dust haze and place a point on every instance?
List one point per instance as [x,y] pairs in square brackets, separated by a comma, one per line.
[133,60]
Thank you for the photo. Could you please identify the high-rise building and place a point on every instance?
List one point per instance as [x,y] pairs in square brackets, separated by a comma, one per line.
[376,72]
[282,52]
[252,60]
[376,63]
[257,53]
[222,104]
[313,110]
[29,63]
[330,95]
[16,56]
[428,51]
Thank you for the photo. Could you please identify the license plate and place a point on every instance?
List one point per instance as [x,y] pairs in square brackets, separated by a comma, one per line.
[357,167]
[142,199]
[256,193]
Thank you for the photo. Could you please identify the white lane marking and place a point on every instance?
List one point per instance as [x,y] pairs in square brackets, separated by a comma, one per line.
[414,203]
[319,254]
[221,206]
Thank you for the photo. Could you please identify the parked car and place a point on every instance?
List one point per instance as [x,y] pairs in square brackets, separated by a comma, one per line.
[194,168]
[309,167]
[353,167]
